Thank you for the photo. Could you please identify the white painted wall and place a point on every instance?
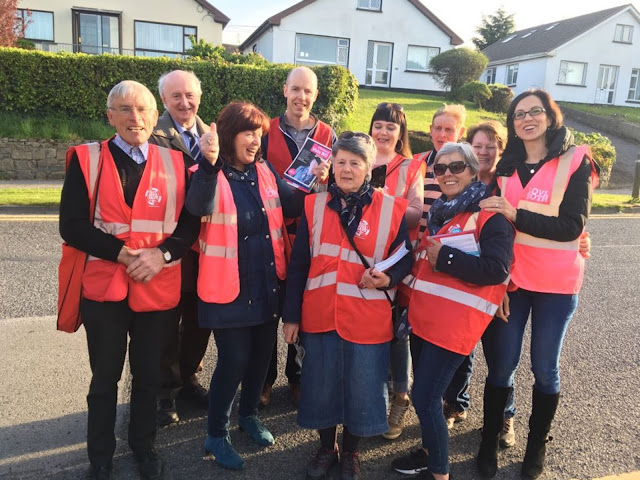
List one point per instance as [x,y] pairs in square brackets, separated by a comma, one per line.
[399,23]
[177,12]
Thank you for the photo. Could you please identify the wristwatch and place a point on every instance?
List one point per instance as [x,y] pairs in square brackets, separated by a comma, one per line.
[166,254]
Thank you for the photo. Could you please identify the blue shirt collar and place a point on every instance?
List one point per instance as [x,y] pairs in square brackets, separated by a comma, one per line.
[138,154]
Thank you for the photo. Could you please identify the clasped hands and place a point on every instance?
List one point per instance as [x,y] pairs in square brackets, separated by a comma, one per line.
[142,264]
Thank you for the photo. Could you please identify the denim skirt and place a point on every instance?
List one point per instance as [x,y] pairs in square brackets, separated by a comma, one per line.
[343,383]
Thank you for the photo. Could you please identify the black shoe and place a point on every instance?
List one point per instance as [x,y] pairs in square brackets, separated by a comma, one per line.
[411,464]
[166,413]
[100,473]
[151,466]
[350,466]
[196,394]
[322,463]
[427,475]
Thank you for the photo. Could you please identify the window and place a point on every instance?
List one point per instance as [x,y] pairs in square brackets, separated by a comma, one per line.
[375,5]
[39,25]
[512,74]
[624,33]
[418,58]
[316,50]
[490,76]
[634,85]
[162,39]
[529,33]
[572,73]
[510,37]
[96,32]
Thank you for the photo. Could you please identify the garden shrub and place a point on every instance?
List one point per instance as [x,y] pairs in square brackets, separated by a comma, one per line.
[476,92]
[603,151]
[500,99]
[419,141]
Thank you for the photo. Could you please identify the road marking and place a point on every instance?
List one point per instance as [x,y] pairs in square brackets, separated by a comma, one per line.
[615,216]
[623,476]
[29,218]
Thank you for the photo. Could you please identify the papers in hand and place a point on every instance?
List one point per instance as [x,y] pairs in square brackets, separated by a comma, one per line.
[463,241]
[300,172]
[394,258]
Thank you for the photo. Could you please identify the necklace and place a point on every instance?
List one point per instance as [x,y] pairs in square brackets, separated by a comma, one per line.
[532,166]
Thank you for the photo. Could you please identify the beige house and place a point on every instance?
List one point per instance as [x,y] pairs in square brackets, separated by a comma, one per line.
[148,28]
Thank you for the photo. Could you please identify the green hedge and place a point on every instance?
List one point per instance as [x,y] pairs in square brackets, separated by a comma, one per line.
[77,85]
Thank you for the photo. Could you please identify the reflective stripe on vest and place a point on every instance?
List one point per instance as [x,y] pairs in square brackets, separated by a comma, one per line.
[544,265]
[219,238]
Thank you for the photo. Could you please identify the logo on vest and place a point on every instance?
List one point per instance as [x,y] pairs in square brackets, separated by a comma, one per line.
[271,192]
[363,229]
[153,197]
[537,195]
[454,228]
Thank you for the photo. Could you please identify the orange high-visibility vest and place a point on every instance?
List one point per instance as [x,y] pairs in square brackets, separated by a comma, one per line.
[332,298]
[219,278]
[153,217]
[445,310]
[544,265]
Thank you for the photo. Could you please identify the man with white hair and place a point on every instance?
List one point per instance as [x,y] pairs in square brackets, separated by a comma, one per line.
[122,203]
[180,128]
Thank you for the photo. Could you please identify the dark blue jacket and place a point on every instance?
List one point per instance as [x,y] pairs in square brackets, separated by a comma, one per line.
[260,295]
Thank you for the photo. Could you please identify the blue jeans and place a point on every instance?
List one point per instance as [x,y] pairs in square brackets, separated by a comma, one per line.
[433,369]
[243,356]
[457,394]
[400,365]
[502,342]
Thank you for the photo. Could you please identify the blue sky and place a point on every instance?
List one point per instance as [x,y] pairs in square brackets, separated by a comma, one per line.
[247,15]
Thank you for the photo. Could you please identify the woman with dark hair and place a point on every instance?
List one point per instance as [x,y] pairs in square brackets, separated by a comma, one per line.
[544,187]
[341,305]
[402,177]
[242,262]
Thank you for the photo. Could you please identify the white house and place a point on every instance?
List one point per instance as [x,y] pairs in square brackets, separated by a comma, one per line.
[593,58]
[161,27]
[385,43]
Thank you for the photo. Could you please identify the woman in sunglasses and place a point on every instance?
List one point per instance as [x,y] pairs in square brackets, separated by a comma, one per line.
[341,304]
[401,176]
[460,278]
[544,187]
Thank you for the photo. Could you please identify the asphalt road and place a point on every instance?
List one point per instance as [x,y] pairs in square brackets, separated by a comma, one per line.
[45,377]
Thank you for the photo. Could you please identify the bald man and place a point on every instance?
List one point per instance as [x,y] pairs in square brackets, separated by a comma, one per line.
[287,135]
[180,128]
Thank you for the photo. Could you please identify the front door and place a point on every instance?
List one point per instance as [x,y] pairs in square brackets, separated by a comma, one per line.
[379,64]
[606,87]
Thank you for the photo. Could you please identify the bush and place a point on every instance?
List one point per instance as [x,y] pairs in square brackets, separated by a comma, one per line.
[603,151]
[208,51]
[500,99]
[77,85]
[453,68]
[476,92]
[419,141]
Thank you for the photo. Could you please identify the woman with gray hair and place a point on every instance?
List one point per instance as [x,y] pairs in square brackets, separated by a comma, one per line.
[460,277]
[340,303]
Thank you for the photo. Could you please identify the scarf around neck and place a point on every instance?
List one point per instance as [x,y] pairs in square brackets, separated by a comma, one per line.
[349,205]
[443,210]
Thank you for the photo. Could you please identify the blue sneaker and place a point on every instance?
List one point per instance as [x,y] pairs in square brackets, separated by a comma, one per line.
[223,452]
[254,427]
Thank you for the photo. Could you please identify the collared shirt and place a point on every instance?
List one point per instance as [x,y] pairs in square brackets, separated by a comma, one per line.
[185,138]
[138,154]
[299,136]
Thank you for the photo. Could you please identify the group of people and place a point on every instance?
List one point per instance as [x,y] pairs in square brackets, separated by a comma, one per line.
[191,229]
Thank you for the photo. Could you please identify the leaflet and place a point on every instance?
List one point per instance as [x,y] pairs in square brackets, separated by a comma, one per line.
[394,258]
[463,241]
[300,172]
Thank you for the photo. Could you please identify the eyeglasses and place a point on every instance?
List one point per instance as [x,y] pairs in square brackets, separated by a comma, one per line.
[395,106]
[299,352]
[534,112]
[129,110]
[454,167]
[348,134]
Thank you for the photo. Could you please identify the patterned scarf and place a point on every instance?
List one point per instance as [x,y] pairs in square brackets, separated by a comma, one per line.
[443,210]
[350,205]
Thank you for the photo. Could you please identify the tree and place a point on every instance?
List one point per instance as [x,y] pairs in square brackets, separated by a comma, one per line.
[10,30]
[493,28]
[453,68]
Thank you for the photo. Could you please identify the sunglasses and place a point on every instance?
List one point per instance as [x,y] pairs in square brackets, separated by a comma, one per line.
[348,134]
[299,352]
[394,106]
[454,167]
[534,112]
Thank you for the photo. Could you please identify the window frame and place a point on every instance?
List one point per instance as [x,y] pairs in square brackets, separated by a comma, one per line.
[584,73]
[21,17]
[318,62]
[415,70]
[369,8]
[493,75]
[635,97]
[514,68]
[167,52]
[621,27]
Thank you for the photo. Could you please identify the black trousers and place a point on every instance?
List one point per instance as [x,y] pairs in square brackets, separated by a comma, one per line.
[187,342]
[291,369]
[108,326]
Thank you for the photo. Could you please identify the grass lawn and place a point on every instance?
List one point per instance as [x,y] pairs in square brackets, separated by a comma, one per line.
[56,127]
[628,114]
[418,108]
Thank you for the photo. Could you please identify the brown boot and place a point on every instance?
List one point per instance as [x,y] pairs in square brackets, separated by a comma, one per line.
[265,397]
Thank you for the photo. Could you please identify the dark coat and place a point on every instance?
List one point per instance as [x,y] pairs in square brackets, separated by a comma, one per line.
[166,135]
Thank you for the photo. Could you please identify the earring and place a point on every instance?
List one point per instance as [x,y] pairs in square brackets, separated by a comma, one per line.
[398,150]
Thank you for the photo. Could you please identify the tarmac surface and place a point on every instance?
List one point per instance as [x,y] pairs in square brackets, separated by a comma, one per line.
[45,378]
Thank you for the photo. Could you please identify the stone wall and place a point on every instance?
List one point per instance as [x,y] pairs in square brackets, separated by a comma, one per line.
[32,159]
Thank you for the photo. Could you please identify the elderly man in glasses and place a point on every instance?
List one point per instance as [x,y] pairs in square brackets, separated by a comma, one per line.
[287,135]
[131,281]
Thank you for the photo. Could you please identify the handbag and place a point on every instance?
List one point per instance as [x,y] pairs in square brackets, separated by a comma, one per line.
[71,270]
